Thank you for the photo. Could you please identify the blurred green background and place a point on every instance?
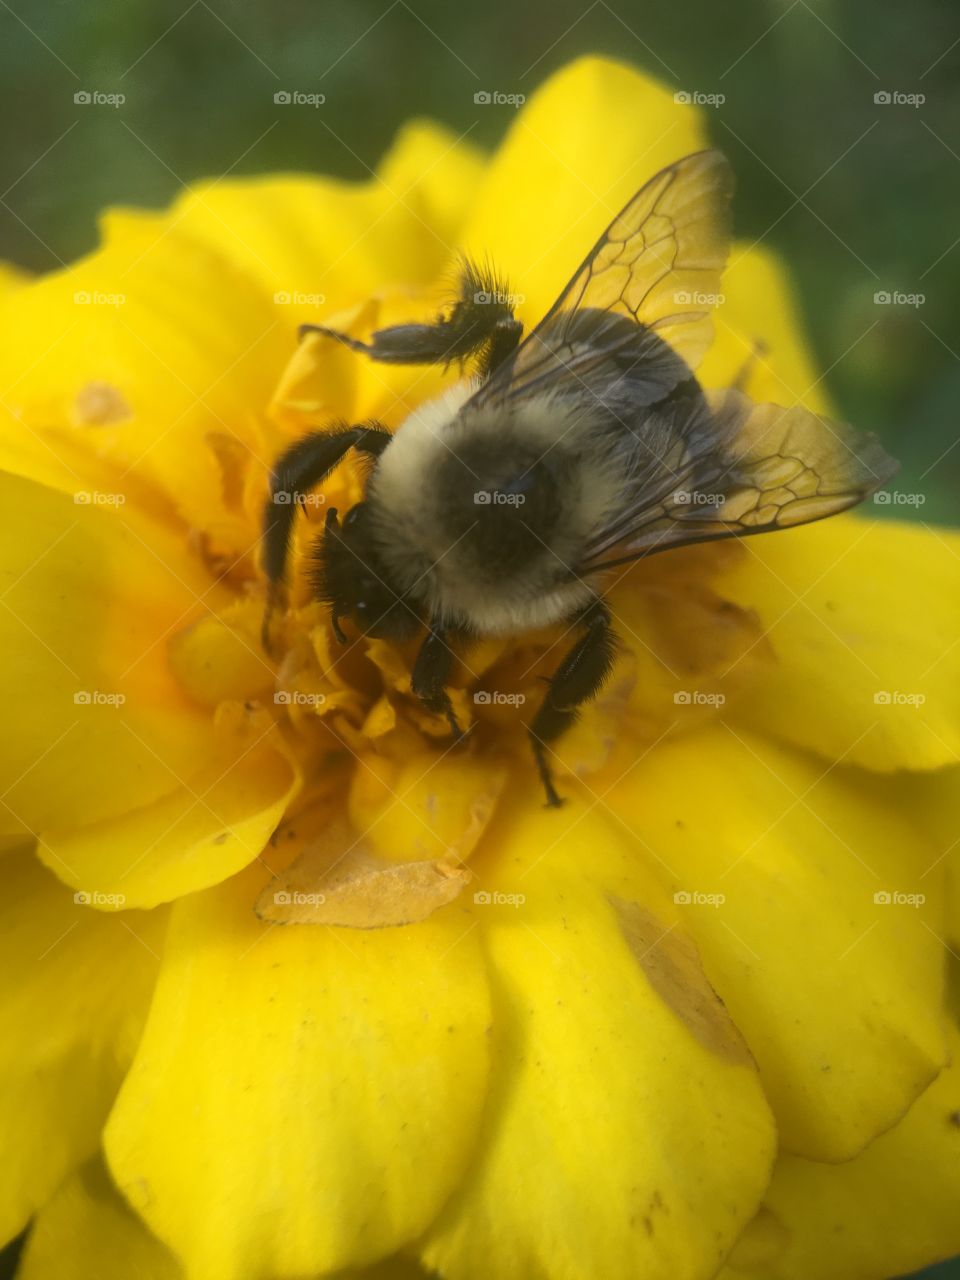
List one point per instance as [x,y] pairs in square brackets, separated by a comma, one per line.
[859,196]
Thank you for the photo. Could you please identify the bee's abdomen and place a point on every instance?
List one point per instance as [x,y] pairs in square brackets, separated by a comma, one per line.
[501,501]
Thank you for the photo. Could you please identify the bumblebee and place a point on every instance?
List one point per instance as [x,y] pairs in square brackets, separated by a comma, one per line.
[504,504]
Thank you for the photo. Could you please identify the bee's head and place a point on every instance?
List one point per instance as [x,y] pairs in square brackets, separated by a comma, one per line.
[349,576]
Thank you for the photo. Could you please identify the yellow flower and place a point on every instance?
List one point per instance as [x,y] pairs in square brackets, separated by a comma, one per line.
[694,1020]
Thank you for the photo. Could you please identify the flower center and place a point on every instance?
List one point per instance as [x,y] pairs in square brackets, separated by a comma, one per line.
[393,805]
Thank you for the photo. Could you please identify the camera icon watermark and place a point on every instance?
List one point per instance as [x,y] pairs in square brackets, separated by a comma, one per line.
[494,98]
[296,298]
[486,298]
[296,98]
[94,898]
[698,698]
[95,98]
[898,298]
[696,98]
[688,297]
[292,498]
[897,498]
[695,898]
[896,698]
[496,498]
[94,498]
[895,898]
[98,698]
[485,898]
[298,698]
[897,98]
[698,498]
[495,698]
[94,298]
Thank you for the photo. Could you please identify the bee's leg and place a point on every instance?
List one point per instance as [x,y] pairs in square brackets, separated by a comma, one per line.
[480,324]
[579,677]
[430,674]
[301,468]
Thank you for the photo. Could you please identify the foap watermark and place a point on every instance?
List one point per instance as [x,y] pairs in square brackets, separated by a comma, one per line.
[94,498]
[688,297]
[897,698]
[698,698]
[292,498]
[496,498]
[96,98]
[493,898]
[494,298]
[494,698]
[295,298]
[697,498]
[295,898]
[895,898]
[695,898]
[94,298]
[298,698]
[897,298]
[94,898]
[496,98]
[98,698]
[297,98]
[897,98]
[697,98]
[898,498]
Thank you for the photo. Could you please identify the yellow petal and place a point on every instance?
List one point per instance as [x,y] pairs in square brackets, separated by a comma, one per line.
[758,336]
[302,1099]
[935,800]
[76,993]
[12,278]
[198,835]
[219,657]
[66,462]
[584,143]
[310,238]
[776,863]
[87,1232]
[888,1212]
[695,651]
[96,722]
[620,1082]
[142,349]
[863,618]
[430,805]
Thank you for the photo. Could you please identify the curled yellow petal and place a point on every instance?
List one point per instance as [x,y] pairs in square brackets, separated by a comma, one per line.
[338,880]
[887,1212]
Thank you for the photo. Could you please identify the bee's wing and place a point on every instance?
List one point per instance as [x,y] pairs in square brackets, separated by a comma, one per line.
[654,271]
[722,466]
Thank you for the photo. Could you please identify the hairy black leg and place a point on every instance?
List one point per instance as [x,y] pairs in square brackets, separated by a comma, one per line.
[579,677]
[430,674]
[480,323]
[301,468]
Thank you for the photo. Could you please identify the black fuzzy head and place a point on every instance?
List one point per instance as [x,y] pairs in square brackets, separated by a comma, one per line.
[349,576]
